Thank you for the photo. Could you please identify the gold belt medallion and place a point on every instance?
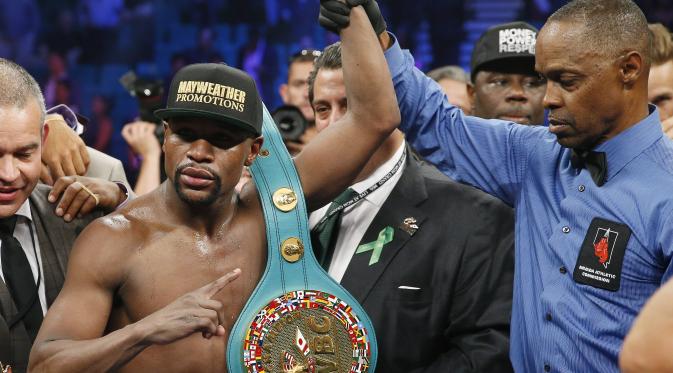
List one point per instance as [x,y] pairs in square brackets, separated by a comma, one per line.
[306,331]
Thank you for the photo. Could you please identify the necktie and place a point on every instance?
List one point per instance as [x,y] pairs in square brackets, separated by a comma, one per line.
[19,279]
[594,162]
[324,235]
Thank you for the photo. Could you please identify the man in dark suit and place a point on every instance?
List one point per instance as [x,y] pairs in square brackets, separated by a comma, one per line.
[430,260]
[29,227]
[55,238]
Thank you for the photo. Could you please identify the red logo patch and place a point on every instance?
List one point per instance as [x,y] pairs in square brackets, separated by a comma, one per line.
[603,245]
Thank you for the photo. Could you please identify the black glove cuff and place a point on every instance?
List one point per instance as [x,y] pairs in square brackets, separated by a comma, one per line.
[373,11]
[334,15]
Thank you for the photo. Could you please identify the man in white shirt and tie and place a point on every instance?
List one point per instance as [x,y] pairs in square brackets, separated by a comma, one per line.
[34,239]
[430,260]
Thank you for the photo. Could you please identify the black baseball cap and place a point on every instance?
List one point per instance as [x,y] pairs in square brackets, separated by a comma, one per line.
[513,42]
[215,91]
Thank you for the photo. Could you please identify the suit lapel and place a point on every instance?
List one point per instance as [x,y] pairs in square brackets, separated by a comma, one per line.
[7,310]
[53,244]
[7,307]
[55,238]
[402,203]
[5,338]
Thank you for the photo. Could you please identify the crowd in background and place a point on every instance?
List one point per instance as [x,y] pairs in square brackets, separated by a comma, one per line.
[78,49]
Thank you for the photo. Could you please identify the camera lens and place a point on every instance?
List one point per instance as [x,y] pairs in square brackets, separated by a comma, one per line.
[290,122]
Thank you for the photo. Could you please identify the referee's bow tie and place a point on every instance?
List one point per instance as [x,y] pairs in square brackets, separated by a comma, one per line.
[595,162]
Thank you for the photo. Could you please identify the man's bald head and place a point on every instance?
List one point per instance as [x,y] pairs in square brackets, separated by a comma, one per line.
[611,26]
[595,55]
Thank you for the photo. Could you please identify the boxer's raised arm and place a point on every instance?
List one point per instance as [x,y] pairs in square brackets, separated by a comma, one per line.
[332,160]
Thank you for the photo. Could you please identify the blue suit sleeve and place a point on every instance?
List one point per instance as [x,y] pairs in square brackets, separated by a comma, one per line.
[491,155]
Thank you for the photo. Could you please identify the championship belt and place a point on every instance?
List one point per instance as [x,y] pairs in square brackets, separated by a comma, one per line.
[298,319]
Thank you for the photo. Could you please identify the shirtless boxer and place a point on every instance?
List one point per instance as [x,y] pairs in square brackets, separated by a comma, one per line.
[129,302]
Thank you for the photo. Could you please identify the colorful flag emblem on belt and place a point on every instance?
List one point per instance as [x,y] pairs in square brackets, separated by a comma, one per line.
[301,342]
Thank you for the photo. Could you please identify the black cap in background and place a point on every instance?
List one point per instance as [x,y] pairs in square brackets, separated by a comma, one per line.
[514,41]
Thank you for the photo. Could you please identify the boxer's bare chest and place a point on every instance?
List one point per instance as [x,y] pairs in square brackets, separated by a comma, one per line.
[175,262]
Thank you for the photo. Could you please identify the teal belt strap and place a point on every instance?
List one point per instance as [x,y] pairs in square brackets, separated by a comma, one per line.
[298,319]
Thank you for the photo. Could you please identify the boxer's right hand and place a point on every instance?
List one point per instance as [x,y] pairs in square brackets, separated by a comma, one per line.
[191,313]
[334,15]
[373,13]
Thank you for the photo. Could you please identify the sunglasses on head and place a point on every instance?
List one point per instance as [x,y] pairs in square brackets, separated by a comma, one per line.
[69,116]
[306,52]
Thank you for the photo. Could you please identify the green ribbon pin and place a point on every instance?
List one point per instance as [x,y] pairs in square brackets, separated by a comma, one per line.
[385,236]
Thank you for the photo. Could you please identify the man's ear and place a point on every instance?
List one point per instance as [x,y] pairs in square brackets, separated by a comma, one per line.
[631,67]
[282,90]
[471,95]
[470,91]
[45,133]
[255,147]
[166,130]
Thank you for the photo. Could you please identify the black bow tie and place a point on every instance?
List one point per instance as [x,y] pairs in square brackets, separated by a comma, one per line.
[594,162]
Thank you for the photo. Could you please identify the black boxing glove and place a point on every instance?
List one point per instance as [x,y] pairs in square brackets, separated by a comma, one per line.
[334,15]
[373,13]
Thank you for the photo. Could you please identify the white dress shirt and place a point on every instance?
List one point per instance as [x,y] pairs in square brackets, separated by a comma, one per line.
[22,234]
[356,218]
